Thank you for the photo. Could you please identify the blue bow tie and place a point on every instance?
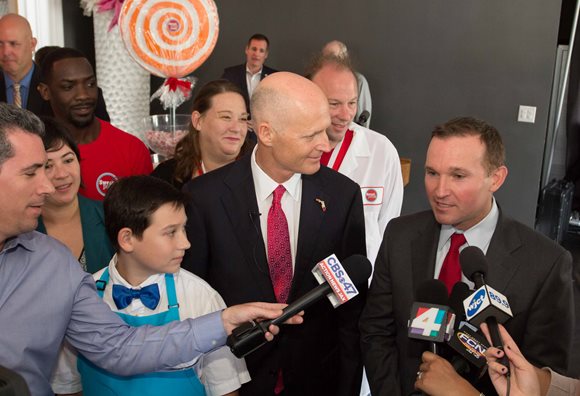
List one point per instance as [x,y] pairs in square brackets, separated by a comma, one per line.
[123,296]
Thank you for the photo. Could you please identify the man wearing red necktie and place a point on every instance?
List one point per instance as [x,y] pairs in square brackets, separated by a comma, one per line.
[259,225]
[465,166]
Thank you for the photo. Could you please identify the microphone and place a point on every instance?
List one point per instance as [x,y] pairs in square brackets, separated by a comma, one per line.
[485,304]
[465,340]
[254,215]
[363,117]
[430,314]
[340,283]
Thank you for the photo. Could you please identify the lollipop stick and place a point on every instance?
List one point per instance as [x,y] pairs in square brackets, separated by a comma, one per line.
[173,121]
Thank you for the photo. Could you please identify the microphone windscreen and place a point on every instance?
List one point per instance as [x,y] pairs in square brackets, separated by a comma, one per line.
[364,116]
[459,293]
[432,291]
[358,268]
[472,261]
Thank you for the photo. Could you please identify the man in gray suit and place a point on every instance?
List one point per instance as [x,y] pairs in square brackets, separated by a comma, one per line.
[465,166]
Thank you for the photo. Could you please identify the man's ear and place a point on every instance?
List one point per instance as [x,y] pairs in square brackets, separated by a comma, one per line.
[44,91]
[265,133]
[125,239]
[498,176]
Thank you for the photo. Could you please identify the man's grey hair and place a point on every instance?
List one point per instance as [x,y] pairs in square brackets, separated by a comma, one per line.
[12,118]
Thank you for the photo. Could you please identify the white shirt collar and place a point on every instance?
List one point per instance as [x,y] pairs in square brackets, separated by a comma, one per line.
[248,71]
[265,185]
[117,279]
[479,235]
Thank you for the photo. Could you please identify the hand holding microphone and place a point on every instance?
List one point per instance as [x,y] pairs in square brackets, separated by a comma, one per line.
[340,285]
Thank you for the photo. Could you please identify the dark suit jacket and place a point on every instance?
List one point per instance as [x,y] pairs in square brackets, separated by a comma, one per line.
[530,270]
[322,356]
[237,75]
[41,107]
[35,103]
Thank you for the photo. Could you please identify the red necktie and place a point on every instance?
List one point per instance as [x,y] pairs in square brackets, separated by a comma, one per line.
[279,258]
[451,270]
[279,255]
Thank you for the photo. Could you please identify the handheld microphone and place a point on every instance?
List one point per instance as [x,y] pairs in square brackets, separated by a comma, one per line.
[485,304]
[341,279]
[430,314]
[465,340]
[363,117]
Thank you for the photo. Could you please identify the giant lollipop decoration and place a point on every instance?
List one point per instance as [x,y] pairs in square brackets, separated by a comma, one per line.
[170,39]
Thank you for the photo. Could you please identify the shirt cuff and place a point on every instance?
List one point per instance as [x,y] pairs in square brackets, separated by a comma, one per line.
[209,331]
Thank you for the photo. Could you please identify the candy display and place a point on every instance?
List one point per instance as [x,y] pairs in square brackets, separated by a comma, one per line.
[161,135]
[169,38]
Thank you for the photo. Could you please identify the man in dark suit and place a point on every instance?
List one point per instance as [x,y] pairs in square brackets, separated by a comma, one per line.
[233,242]
[19,72]
[247,76]
[465,165]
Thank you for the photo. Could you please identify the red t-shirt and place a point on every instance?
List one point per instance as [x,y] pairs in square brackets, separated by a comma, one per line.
[113,154]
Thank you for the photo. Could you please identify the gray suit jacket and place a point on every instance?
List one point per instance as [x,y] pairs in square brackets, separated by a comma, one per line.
[530,270]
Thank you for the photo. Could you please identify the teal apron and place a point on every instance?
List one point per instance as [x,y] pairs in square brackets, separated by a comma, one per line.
[98,382]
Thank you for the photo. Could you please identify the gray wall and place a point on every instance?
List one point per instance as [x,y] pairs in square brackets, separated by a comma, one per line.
[426,61]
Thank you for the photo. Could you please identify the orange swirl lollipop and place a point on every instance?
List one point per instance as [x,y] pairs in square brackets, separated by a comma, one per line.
[169,38]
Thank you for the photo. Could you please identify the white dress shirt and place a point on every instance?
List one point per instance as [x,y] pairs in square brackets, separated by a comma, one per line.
[479,235]
[252,80]
[291,199]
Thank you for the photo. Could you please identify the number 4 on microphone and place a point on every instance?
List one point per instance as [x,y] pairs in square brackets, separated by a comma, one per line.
[428,322]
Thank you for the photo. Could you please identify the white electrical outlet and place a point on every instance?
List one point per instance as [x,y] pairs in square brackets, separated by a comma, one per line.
[527,114]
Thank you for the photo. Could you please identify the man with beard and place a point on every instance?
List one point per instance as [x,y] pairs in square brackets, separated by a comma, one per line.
[107,153]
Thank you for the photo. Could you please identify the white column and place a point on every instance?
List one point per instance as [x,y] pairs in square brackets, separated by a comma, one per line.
[45,17]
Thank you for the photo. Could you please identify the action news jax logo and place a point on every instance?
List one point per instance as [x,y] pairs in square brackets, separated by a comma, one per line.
[331,270]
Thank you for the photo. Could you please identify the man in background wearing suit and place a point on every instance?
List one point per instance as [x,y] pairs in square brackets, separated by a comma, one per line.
[247,76]
[259,225]
[465,166]
[20,75]
[17,47]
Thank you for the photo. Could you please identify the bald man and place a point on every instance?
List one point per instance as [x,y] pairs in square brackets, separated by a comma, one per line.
[339,49]
[20,76]
[233,247]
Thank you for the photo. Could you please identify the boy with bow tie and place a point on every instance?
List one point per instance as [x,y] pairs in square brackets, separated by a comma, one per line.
[144,284]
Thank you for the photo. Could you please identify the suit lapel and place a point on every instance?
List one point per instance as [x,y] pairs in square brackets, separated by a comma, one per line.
[499,254]
[242,211]
[2,88]
[244,83]
[311,217]
[424,255]
[35,102]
